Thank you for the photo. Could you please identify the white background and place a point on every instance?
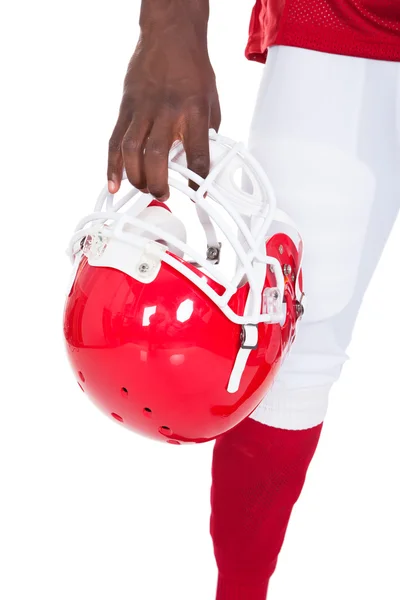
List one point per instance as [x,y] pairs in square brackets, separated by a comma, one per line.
[88,510]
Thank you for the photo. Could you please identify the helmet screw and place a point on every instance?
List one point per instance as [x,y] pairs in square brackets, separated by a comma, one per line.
[293,277]
[299,309]
[213,252]
[281,249]
[287,270]
[144,268]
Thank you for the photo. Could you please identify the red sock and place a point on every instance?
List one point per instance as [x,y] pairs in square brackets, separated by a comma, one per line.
[258,473]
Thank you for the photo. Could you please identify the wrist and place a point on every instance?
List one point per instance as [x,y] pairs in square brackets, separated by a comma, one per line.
[174,19]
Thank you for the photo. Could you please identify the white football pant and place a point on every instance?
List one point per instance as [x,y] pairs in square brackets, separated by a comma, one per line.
[326,129]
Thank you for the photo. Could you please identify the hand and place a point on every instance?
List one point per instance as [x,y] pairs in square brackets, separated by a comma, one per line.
[169,94]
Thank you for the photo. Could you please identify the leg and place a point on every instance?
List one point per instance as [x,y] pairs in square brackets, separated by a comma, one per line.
[325,131]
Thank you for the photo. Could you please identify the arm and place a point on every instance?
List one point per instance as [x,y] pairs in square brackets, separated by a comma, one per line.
[169,94]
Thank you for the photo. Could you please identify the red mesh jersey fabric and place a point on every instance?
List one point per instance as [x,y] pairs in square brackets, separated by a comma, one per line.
[365,28]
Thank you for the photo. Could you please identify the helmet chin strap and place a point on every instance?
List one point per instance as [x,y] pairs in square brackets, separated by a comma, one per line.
[249,342]
[249,334]
[213,246]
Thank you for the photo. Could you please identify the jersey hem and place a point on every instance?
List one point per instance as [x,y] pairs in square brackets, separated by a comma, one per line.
[257,49]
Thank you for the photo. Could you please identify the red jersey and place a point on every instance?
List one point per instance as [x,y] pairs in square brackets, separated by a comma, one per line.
[366,28]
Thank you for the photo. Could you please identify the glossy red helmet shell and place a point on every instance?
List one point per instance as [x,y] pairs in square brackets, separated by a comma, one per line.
[158,356]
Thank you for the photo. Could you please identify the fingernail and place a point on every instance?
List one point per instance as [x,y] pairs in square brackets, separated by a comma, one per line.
[112,186]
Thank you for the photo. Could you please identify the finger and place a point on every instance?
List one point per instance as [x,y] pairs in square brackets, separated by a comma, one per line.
[156,155]
[115,159]
[133,146]
[197,146]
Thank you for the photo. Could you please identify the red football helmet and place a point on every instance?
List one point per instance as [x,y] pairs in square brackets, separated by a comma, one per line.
[166,338]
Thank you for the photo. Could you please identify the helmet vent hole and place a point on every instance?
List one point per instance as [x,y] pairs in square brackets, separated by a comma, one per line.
[81,376]
[117,417]
[165,430]
[124,392]
[81,387]
[147,411]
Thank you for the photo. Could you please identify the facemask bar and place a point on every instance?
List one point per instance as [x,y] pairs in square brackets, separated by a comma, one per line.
[255,276]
